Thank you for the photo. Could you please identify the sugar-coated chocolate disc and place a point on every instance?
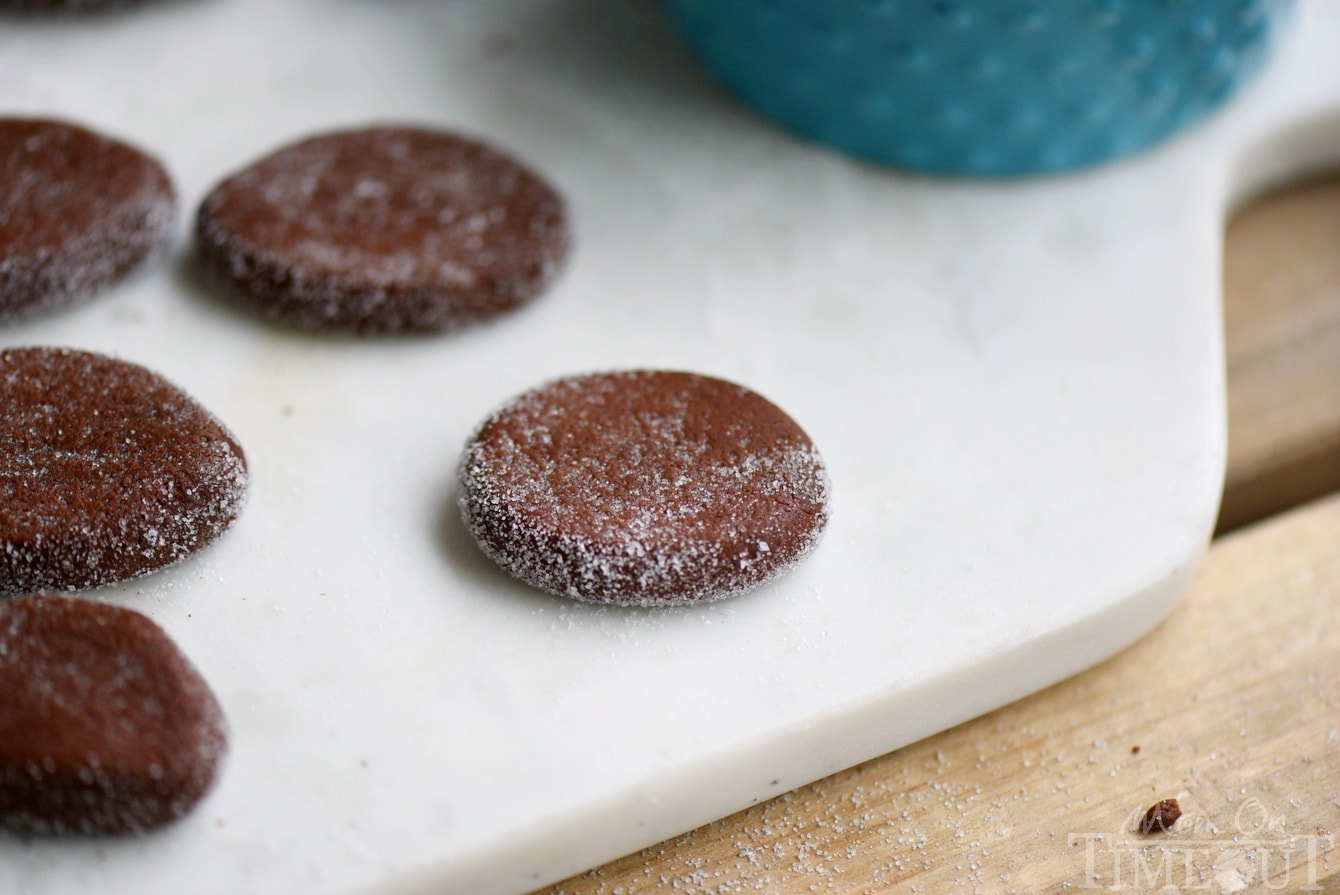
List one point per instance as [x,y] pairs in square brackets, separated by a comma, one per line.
[105,726]
[107,471]
[643,488]
[78,212]
[383,230]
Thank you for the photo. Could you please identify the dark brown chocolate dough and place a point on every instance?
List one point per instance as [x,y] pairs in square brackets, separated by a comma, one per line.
[643,488]
[1160,817]
[105,727]
[107,471]
[78,212]
[389,229]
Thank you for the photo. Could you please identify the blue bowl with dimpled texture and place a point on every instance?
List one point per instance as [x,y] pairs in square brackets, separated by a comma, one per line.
[989,87]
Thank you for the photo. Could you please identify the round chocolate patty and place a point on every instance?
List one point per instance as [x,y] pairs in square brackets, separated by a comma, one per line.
[107,471]
[390,229]
[105,727]
[78,212]
[643,488]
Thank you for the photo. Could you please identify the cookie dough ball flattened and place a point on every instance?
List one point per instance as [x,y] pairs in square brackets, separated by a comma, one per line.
[78,212]
[105,727]
[107,471]
[643,488]
[383,230]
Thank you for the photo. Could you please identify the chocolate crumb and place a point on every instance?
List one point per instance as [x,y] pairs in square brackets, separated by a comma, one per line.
[1161,816]
[1135,750]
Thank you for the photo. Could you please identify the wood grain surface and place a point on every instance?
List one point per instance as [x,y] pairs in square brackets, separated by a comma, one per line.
[1282,314]
[1230,706]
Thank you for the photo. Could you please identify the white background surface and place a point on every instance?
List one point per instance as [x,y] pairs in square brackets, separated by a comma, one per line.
[1017,388]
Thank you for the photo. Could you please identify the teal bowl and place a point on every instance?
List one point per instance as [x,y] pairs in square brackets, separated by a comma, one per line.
[982,87]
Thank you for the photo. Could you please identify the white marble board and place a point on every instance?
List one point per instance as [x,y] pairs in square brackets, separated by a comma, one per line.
[1017,387]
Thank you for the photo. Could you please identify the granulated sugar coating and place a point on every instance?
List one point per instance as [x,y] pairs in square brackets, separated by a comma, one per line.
[107,471]
[383,230]
[78,212]
[643,488]
[105,727]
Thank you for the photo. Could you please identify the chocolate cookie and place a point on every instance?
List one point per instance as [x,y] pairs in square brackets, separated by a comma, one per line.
[105,727]
[107,471]
[78,212]
[388,229]
[643,488]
